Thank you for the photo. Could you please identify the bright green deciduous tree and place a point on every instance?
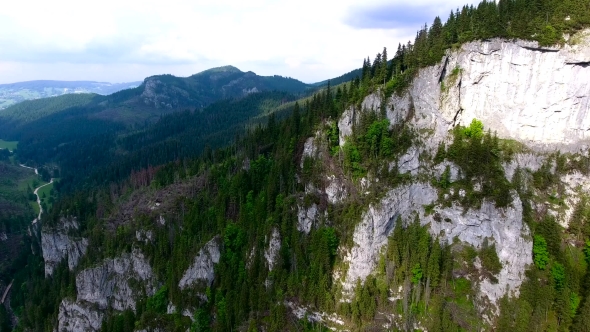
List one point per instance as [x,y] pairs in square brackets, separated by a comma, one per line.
[540,253]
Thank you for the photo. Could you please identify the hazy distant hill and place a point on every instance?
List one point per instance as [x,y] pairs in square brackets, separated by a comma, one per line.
[16,92]
[157,95]
[199,90]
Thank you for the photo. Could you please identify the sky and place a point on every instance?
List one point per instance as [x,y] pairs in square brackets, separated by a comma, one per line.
[128,40]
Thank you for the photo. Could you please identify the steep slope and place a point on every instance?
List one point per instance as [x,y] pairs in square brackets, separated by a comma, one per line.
[401,201]
[156,96]
[433,226]
[204,88]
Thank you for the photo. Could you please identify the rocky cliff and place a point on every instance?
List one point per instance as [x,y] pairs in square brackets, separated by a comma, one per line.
[537,96]
[533,96]
[57,245]
[117,283]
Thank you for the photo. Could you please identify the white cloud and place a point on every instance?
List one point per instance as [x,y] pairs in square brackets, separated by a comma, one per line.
[118,40]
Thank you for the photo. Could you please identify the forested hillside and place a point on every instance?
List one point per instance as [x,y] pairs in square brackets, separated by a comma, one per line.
[13,93]
[381,204]
[156,96]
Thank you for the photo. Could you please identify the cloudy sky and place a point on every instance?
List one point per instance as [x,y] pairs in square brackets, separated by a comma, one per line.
[128,40]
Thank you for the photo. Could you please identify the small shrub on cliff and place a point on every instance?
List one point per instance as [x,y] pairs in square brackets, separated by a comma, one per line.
[489,259]
[540,253]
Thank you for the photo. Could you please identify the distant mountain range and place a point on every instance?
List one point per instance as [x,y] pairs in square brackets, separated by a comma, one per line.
[155,96]
[13,93]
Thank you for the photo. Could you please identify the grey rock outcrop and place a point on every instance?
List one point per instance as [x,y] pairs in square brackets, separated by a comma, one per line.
[377,224]
[522,91]
[409,162]
[272,251]
[576,184]
[306,218]
[503,226]
[57,245]
[78,317]
[110,284]
[203,267]
[534,96]
[336,190]
[528,161]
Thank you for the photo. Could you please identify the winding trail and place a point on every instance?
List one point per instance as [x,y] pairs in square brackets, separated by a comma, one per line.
[36,192]
[6,292]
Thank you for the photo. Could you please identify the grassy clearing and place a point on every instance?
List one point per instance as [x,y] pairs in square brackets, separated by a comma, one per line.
[8,145]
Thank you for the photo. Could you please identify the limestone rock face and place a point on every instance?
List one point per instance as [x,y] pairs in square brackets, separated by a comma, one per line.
[378,223]
[112,283]
[272,251]
[409,163]
[345,125]
[202,269]
[539,96]
[117,283]
[576,185]
[504,227]
[306,218]
[528,161]
[78,317]
[57,245]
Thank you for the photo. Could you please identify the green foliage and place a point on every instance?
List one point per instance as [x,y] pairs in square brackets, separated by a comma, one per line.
[480,158]
[416,274]
[574,303]
[31,110]
[474,131]
[333,138]
[587,251]
[540,253]
[201,321]
[353,161]
[558,274]
[489,259]
[445,179]
[250,189]
[158,303]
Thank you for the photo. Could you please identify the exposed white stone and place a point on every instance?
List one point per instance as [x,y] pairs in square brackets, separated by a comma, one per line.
[3,236]
[335,322]
[576,185]
[378,223]
[144,236]
[503,226]
[372,103]
[78,317]
[345,125]
[538,96]
[409,162]
[335,190]
[57,245]
[439,169]
[188,313]
[203,267]
[529,161]
[310,150]
[171,309]
[272,251]
[108,284]
[306,218]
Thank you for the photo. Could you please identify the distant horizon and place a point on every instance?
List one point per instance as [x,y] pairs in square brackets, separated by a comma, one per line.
[127,41]
[141,80]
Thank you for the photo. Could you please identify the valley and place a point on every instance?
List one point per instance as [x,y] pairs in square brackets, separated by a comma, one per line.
[443,187]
